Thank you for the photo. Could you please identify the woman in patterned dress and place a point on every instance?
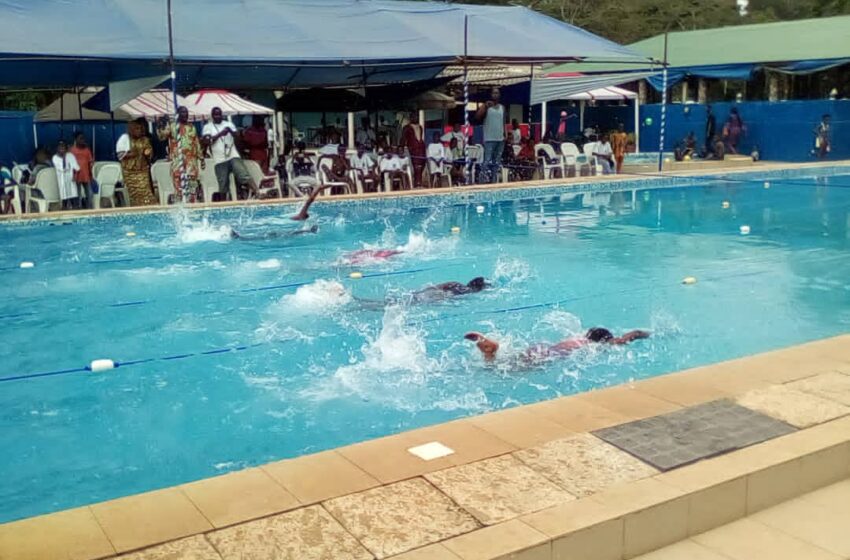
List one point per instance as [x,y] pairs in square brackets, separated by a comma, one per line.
[135,152]
[184,150]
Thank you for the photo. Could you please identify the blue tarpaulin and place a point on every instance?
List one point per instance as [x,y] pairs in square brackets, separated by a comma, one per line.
[275,43]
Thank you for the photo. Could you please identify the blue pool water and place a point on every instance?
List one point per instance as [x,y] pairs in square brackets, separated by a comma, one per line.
[309,366]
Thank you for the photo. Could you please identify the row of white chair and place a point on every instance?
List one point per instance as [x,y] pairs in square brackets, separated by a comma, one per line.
[44,194]
[161,172]
[567,160]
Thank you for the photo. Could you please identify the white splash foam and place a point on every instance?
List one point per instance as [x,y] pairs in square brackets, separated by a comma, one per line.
[509,270]
[318,297]
[562,323]
[189,231]
[269,264]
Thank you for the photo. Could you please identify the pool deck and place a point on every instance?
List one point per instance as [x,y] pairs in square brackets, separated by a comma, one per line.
[536,482]
[639,173]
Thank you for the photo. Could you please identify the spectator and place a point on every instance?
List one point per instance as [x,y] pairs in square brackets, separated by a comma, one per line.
[338,171]
[40,161]
[492,114]
[823,143]
[710,128]
[455,154]
[135,152]
[413,138]
[365,169]
[184,150]
[256,140]
[516,133]
[562,127]
[718,150]
[691,144]
[392,168]
[619,140]
[66,166]
[220,136]
[604,155]
[365,134]
[437,160]
[83,177]
[303,170]
[733,129]
[524,161]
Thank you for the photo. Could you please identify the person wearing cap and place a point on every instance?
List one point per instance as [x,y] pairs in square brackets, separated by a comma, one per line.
[562,127]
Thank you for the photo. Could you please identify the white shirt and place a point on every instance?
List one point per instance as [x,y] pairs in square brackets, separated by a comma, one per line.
[437,151]
[602,148]
[516,136]
[390,164]
[363,163]
[65,175]
[222,149]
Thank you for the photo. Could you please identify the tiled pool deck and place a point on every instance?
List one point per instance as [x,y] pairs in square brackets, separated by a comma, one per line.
[528,483]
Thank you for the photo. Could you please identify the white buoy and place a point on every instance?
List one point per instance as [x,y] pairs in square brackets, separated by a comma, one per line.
[479,209]
[688,280]
[356,275]
[27,264]
[767,184]
[725,204]
[745,230]
[455,229]
[101,365]
[130,234]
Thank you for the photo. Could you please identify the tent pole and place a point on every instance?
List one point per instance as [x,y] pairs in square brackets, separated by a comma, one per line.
[530,82]
[94,139]
[34,135]
[581,116]
[171,59]
[62,116]
[663,109]
[466,134]
[350,130]
[543,110]
[112,129]
[637,124]
[80,105]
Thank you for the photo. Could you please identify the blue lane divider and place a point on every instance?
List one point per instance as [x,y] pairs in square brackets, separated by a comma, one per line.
[224,350]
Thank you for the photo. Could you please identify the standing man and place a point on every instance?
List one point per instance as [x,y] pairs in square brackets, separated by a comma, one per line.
[710,129]
[619,140]
[365,134]
[184,150]
[492,114]
[220,136]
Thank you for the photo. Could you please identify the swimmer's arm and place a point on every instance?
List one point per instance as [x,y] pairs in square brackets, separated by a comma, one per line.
[631,337]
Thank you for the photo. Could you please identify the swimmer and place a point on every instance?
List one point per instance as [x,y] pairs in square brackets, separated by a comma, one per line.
[300,217]
[449,289]
[367,255]
[431,294]
[542,352]
[272,234]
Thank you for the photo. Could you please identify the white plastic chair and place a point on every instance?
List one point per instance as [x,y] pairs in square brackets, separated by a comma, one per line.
[161,173]
[443,168]
[300,186]
[550,162]
[593,167]
[12,187]
[475,153]
[48,185]
[325,166]
[569,156]
[209,182]
[256,173]
[107,176]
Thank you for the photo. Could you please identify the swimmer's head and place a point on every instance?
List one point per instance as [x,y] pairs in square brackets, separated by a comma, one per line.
[485,345]
[598,334]
[477,284]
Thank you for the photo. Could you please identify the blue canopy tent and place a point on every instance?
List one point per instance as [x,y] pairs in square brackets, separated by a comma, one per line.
[279,43]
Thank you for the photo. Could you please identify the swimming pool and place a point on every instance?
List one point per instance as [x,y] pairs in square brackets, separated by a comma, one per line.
[237,353]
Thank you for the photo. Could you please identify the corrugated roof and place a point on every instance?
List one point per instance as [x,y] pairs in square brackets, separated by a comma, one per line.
[785,41]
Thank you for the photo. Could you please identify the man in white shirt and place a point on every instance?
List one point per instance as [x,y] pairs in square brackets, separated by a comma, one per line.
[604,155]
[220,136]
[392,167]
[364,167]
[437,159]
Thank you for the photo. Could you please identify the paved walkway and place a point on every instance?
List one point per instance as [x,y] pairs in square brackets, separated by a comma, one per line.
[815,526]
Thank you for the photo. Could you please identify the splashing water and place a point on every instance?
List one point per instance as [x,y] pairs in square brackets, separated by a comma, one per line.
[319,297]
[189,231]
[511,271]
[269,264]
[560,323]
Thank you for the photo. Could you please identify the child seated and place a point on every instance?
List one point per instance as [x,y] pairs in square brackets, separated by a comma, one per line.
[437,159]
